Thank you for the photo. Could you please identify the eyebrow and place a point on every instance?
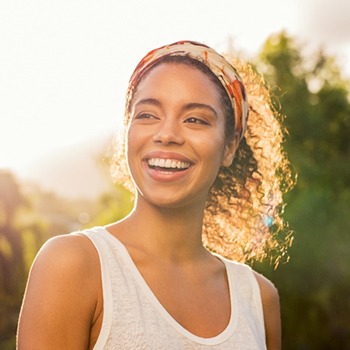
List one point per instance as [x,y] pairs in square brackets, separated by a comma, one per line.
[196,105]
[187,107]
[148,101]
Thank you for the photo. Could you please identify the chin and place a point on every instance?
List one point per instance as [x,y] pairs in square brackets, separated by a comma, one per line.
[162,201]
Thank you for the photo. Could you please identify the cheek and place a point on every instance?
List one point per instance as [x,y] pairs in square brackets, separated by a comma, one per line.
[213,151]
[136,140]
[130,145]
[216,142]
[133,136]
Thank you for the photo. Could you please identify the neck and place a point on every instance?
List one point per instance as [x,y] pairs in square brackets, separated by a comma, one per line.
[174,233]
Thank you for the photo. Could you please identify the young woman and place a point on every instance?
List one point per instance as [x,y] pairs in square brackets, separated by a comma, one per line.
[207,188]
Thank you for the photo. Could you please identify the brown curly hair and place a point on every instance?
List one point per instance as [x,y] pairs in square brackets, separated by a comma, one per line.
[243,216]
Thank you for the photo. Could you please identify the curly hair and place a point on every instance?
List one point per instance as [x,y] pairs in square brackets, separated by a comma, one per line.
[243,216]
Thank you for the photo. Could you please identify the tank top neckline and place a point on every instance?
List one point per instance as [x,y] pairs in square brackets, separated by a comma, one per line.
[221,337]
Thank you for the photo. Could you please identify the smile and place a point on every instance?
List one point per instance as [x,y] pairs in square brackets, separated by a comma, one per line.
[168,164]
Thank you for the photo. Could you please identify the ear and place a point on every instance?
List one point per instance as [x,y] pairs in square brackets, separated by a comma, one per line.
[230,150]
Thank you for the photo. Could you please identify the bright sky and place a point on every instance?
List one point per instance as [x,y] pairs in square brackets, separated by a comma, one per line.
[64,65]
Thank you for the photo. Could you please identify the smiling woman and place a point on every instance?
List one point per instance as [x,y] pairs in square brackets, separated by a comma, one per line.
[260,169]
[206,179]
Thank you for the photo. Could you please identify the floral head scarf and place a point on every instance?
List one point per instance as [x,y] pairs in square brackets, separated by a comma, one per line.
[223,70]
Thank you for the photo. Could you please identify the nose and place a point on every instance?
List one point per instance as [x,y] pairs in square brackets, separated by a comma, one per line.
[169,132]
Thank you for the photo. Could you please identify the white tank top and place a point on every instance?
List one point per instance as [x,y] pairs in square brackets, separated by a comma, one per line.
[133,318]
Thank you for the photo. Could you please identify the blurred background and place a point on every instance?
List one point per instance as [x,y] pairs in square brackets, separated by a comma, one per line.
[64,68]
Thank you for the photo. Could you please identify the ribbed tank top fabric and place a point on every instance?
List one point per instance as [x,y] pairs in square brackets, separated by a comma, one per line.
[133,318]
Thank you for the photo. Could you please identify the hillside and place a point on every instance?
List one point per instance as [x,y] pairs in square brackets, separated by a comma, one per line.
[78,171]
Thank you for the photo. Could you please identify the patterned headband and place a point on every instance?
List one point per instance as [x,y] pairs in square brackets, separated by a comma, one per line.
[223,70]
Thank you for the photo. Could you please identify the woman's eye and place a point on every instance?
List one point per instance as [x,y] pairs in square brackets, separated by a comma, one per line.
[194,120]
[145,116]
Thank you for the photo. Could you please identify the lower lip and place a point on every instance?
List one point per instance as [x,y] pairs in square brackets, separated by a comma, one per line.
[164,176]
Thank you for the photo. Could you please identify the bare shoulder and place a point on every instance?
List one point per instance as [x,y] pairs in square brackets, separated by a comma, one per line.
[271,310]
[61,251]
[65,257]
[62,295]
[68,260]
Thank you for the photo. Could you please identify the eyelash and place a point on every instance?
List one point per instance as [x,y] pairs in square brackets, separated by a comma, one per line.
[194,120]
[145,116]
[190,120]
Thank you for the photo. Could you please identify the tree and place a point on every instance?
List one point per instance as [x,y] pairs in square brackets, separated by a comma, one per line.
[12,269]
[315,284]
[113,206]
[314,98]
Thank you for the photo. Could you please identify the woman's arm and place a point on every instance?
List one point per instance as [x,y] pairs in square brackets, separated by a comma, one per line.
[61,298]
[272,313]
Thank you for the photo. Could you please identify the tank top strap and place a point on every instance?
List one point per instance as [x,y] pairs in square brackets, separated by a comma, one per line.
[104,251]
[248,291]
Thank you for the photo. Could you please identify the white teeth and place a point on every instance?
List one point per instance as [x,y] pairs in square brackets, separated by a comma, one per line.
[168,163]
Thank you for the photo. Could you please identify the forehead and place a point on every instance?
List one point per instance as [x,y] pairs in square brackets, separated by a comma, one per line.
[179,80]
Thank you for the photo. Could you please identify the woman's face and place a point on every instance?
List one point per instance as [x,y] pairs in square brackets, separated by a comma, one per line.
[176,136]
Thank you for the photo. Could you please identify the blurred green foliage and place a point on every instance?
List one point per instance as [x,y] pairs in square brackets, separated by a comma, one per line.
[21,235]
[315,284]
